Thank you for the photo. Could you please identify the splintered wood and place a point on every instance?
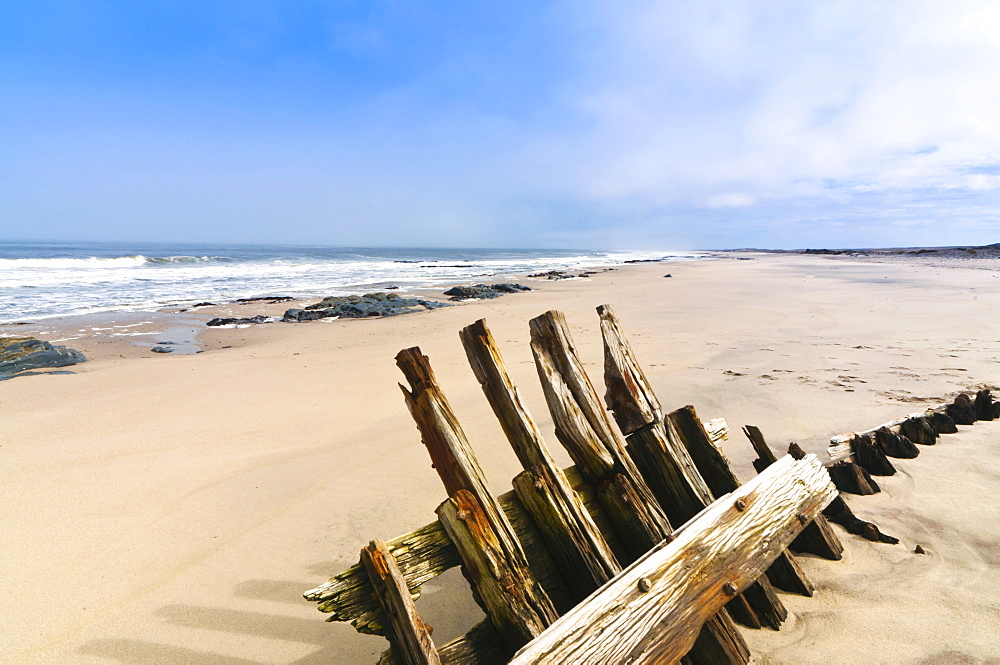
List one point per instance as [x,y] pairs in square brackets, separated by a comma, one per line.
[637,553]
[646,614]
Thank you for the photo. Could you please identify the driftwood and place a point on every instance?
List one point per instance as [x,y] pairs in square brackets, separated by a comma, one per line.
[851,478]
[650,613]
[962,410]
[919,429]
[493,558]
[870,456]
[408,635]
[895,445]
[983,405]
[574,540]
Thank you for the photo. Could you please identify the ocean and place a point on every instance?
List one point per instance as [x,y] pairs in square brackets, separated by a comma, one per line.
[41,280]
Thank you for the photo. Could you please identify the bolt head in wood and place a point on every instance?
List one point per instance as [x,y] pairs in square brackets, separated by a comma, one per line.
[538,484]
[729,589]
[740,504]
[803,520]
[644,584]
[462,515]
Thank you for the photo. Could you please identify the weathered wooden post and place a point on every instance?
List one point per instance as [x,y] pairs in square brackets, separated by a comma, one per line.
[651,612]
[408,635]
[817,537]
[592,440]
[669,470]
[576,544]
[494,561]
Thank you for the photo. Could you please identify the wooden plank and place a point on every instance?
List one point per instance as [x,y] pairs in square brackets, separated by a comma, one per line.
[818,536]
[591,438]
[480,646]
[651,612]
[576,544]
[421,556]
[409,636]
[684,425]
[627,391]
[665,462]
[508,592]
[840,445]
[472,516]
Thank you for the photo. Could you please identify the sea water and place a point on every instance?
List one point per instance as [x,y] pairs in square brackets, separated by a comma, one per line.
[39,280]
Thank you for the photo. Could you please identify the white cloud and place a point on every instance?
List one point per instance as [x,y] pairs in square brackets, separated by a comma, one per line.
[688,102]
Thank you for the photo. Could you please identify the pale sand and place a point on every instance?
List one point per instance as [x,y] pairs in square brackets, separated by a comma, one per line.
[171,509]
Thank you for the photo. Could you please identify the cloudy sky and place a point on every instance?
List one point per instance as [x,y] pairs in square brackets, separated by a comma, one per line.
[583,123]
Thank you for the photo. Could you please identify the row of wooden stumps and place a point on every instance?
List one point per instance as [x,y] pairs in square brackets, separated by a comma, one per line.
[543,550]
[860,455]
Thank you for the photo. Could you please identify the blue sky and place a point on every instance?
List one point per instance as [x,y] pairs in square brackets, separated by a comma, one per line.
[506,124]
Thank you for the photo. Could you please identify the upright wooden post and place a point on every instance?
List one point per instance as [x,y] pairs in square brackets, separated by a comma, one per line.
[817,537]
[494,560]
[592,440]
[576,544]
[410,637]
[585,429]
[666,464]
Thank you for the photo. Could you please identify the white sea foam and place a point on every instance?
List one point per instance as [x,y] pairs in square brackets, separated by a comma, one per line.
[37,287]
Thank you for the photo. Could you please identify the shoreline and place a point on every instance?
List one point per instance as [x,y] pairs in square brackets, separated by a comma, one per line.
[110,332]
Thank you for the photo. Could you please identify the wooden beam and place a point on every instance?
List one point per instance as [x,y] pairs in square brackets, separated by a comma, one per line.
[508,592]
[652,611]
[409,636]
[665,462]
[577,546]
[473,517]
[591,438]
[421,556]
[595,443]
[627,391]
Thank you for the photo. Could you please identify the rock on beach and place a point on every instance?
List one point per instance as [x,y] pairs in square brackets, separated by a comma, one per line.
[20,354]
[359,307]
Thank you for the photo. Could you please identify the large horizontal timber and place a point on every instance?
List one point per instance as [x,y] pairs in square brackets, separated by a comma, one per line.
[651,612]
[594,442]
[669,469]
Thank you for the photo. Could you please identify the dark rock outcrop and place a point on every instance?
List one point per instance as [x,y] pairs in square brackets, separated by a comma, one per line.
[359,307]
[226,321]
[481,291]
[20,354]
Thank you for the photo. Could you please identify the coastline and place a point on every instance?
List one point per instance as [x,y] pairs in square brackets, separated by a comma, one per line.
[187,504]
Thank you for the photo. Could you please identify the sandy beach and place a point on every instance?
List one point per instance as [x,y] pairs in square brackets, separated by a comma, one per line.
[173,508]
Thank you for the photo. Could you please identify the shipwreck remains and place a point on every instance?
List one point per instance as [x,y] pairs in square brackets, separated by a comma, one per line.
[646,550]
